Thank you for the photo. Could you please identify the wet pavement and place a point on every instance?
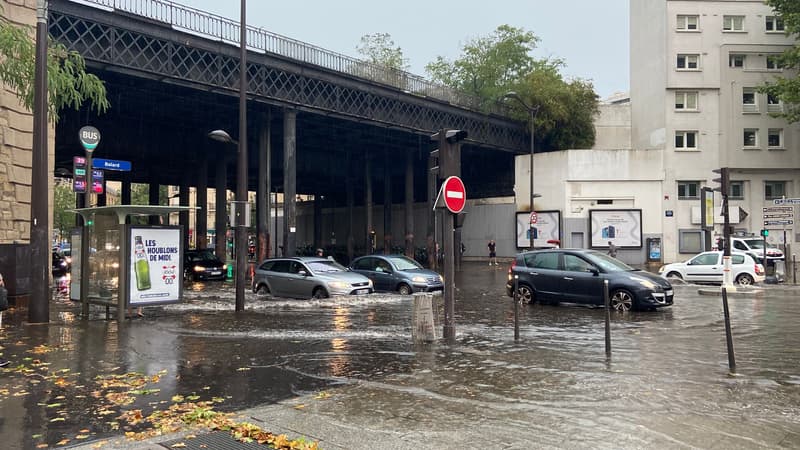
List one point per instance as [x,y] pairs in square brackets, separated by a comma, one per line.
[344,371]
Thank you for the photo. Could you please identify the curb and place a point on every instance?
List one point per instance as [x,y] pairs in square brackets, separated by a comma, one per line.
[733,291]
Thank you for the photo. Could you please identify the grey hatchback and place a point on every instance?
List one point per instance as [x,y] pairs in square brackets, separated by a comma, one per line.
[305,277]
[397,273]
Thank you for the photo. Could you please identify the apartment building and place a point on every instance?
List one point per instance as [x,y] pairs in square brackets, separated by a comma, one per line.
[695,69]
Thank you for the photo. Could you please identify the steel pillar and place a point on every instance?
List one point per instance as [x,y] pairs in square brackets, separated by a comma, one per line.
[387,205]
[201,215]
[289,182]
[409,204]
[263,199]
[220,216]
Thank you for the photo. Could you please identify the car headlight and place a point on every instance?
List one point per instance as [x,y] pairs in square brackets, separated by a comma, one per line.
[339,284]
[418,279]
[199,268]
[224,267]
[441,279]
[644,282]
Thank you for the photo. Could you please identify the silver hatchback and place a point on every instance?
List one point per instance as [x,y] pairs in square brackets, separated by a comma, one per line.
[307,277]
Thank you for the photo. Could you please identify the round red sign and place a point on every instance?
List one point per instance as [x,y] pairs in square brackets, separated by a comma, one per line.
[534,217]
[455,195]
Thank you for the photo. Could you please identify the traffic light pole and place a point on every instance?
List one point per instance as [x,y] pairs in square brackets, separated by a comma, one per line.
[724,187]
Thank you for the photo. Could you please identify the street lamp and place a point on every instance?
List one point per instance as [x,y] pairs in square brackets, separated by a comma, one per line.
[532,110]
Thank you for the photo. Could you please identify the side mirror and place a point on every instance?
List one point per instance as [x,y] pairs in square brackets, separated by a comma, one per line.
[302,272]
[593,271]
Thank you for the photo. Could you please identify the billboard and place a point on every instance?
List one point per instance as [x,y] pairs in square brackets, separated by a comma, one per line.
[623,227]
[155,265]
[546,228]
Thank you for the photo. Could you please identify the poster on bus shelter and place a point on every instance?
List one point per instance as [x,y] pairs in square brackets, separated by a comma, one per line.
[155,269]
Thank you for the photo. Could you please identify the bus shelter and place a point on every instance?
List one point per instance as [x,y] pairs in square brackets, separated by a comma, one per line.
[123,265]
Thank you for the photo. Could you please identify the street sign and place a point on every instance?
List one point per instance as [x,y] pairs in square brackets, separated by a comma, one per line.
[787,201]
[778,209]
[534,217]
[111,164]
[768,223]
[89,137]
[455,194]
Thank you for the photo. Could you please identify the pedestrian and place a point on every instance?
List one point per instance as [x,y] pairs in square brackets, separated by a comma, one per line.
[612,249]
[3,306]
[720,243]
[492,245]
[320,253]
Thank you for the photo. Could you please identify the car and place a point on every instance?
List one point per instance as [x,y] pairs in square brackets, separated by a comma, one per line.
[754,246]
[707,267]
[203,265]
[307,277]
[60,265]
[577,276]
[397,273]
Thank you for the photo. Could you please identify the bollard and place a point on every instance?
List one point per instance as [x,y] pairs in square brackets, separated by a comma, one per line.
[607,302]
[794,268]
[423,328]
[517,300]
[728,337]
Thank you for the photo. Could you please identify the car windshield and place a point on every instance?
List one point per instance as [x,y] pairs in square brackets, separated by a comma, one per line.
[404,263]
[608,263]
[325,267]
[757,243]
[205,255]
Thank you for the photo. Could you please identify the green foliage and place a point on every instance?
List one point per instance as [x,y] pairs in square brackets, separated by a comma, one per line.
[379,48]
[67,81]
[787,88]
[63,200]
[492,66]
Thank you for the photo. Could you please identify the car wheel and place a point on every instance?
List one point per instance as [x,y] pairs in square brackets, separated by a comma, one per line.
[262,290]
[744,279]
[525,294]
[320,293]
[404,289]
[674,275]
[621,300]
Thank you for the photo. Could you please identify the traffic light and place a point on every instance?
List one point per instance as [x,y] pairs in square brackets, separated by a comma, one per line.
[764,232]
[724,181]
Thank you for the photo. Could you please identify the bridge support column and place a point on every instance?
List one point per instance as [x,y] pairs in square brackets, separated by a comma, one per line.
[183,216]
[289,182]
[318,200]
[153,197]
[201,215]
[387,204]
[351,204]
[370,237]
[221,201]
[410,204]
[262,189]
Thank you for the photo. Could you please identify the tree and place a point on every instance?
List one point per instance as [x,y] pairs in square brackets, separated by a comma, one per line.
[68,83]
[63,200]
[787,89]
[379,49]
[492,66]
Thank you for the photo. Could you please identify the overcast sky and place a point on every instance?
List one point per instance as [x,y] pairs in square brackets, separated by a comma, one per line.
[591,36]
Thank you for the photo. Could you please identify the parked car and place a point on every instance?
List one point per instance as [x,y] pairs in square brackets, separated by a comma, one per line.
[397,273]
[577,275]
[307,277]
[755,247]
[60,265]
[707,267]
[203,265]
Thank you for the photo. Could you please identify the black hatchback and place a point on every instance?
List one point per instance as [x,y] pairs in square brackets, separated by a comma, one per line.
[203,265]
[577,275]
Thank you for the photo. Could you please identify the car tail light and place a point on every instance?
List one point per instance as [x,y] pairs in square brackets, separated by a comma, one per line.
[759,269]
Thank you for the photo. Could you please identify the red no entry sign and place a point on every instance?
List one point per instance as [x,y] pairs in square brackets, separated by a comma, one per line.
[534,217]
[455,195]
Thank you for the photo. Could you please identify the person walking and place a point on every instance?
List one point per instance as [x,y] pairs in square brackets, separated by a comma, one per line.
[612,249]
[492,246]
[3,306]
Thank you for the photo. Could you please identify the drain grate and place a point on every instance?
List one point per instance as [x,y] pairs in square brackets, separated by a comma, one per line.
[219,440]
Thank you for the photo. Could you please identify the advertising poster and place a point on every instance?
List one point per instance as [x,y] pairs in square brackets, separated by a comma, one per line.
[546,228]
[623,227]
[155,266]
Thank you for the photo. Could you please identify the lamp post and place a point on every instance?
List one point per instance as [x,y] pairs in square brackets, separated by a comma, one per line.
[532,110]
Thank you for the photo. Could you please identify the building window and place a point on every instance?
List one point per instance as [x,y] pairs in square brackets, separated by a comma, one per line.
[774,104]
[749,100]
[688,190]
[736,61]
[686,100]
[736,190]
[688,62]
[774,189]
[687,23]
[772,63]
[774,24]
[750,138]
[686,140]
[690,241]
[733,23]
[775,138]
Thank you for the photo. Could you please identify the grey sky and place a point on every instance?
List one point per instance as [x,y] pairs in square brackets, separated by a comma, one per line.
[591,36]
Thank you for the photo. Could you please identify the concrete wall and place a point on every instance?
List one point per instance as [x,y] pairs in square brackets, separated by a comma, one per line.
[612,126]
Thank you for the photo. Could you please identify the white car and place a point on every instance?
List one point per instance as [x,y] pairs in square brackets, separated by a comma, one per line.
[755,247]
[707,267]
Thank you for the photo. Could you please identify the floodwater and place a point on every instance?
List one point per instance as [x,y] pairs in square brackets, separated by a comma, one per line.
[666,385]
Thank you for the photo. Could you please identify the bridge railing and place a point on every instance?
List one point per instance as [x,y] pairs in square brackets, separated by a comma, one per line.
[211,25]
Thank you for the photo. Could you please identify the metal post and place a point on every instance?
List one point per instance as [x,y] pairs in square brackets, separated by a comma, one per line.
[449,278]
[516,307]
[728,337]
[241,164]
[39,308]
[533,130]
[607,302]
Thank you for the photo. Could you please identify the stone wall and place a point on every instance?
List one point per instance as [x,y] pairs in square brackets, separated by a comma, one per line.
[16,143]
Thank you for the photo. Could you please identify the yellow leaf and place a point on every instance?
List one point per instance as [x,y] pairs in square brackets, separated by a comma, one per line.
[299,406]
[242,369]
[63,442]
[82,436]
[42,446]
[178,445]
[57,419]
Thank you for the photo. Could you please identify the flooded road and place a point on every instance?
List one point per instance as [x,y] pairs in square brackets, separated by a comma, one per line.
[667,384]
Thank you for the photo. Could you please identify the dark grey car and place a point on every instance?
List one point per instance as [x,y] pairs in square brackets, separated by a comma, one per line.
[305,277]
[397,273]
